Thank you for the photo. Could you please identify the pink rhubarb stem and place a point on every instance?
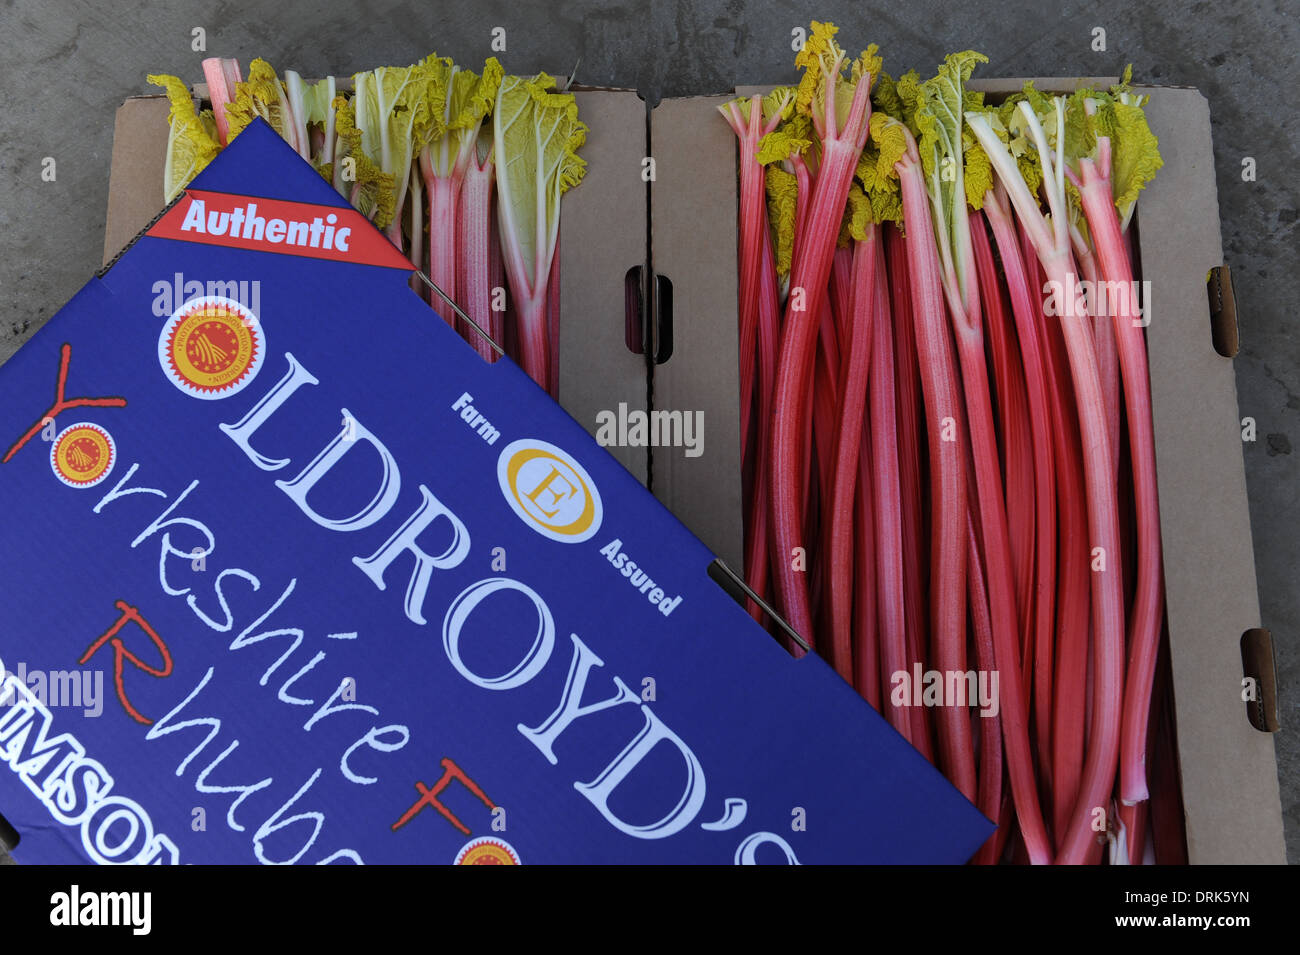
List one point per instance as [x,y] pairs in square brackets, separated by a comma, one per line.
[553,289]
[769,317]
[1148,601]
[1052,244]
[989,798]
[909,424]
[852,398]
[749,129]
[442,195]
[1107,584]
[530,314]
[891,605]
[1074,598]
[221,75]
[808,282]
[866,662]
[1103,340]
[473,260]
[1002,599]
[1017,450]
[1027,313]
[940,386]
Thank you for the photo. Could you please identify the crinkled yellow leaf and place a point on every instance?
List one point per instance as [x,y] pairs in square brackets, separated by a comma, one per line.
[908,88]
[372,192]
[473,96]
[793,136]
[978,174]
[875,171]
[779,102]
[885,98]
[820,52]
[782,205]
[1125,82]
[823,62]
[191,138]
[1135,156]
[259,95]
[857,217]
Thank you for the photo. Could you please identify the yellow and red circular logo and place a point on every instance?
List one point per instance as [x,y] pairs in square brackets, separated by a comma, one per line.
[83,455]
[487,851]
[550,491]
[211,347]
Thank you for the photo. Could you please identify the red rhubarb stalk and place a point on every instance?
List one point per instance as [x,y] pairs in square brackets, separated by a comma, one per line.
[1148,603]
[443,193]
[947,471]
[943,98]
[473,261]
[1103,340]
[1018,457]
[891,604]
[746,121]
[989,798]
[866,663]
[1052,245]
[841,145]
[852,400]
[1074,598]
[1027,312]
[535,135]
[222,75]
[769,308]
[910,475]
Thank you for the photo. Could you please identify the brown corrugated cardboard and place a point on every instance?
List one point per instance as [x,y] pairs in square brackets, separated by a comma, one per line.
[1229,772]
[693,244]
[602,235]
[1230,789]
[135,184]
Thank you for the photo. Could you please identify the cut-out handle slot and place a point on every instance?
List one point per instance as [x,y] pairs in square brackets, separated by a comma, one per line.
[634,309]
[663,315]
[1223,312]
[1259,683]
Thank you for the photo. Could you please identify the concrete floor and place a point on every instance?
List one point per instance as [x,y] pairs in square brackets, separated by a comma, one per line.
[66,65]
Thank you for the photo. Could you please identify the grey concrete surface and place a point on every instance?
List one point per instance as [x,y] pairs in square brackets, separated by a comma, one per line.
[66,65]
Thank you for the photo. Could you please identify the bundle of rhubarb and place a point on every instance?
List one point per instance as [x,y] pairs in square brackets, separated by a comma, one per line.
[949,466]
[463,172]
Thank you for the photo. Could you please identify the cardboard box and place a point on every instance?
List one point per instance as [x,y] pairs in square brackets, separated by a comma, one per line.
[1229,772]
[1228,767]
[271,693]
[602,236]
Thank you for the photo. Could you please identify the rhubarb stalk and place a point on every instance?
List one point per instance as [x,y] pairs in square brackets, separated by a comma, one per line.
[842,138]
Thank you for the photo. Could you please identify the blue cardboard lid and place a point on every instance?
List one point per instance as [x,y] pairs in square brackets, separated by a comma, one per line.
[292,575]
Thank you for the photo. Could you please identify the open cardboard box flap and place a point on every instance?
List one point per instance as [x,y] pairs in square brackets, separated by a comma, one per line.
[602,236]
